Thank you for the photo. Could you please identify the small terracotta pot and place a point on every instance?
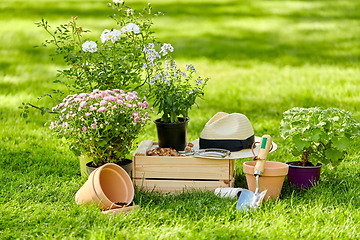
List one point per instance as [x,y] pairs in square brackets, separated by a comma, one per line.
[107,186]
[272,178]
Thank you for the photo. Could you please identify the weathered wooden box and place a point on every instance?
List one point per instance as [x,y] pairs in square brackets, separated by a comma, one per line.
[173,174]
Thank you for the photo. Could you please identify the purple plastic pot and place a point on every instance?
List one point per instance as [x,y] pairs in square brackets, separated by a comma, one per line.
[303,177]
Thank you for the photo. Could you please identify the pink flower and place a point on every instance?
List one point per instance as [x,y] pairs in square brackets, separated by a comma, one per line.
[67,116]
[116,90]
[88,114]
[95,90]
[146,104]
[60,105]
[134,105]
[136,119]
[63,110]
[129,105]
[140,104]
[93,126]
[64,124]
[135,114]
[120,102]
[143,120]
[146,114]
[103,93]
[103,102]
[112,99]
[106,123]
[102,109]
[83,128]
[92,108]
[83,104]
[122,91]
[81,95]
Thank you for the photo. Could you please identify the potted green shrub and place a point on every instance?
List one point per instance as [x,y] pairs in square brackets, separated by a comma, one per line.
[102,125]
[173,92]
[317,136]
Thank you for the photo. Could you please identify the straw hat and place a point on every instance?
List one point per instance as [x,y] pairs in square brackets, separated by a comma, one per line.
[233,132]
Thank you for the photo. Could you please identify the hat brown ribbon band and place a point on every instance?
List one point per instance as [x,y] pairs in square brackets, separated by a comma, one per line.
[232,145]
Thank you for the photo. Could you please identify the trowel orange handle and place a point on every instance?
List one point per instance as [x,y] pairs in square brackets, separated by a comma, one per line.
[265,144]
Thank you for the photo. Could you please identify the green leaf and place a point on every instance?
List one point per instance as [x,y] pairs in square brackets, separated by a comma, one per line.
[315,134]
[341,143]
[334,156]
[299,143]
[173,117]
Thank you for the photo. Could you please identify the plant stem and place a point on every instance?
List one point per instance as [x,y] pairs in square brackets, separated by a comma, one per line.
[305,157]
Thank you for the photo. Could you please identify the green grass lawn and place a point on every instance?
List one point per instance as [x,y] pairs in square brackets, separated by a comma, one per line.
[263,57]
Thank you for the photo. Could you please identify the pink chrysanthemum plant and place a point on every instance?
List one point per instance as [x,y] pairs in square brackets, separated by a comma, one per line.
[102,124]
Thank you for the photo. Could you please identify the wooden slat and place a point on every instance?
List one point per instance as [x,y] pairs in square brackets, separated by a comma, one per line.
[178,185]
[181,168]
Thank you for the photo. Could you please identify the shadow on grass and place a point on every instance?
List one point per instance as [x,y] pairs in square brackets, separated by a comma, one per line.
[247,44]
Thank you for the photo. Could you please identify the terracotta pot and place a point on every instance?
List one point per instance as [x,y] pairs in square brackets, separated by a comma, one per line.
[107,186]
[303,177]
[272,178]
[172,135]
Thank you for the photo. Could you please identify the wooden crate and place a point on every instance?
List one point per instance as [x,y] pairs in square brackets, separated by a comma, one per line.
[173,174]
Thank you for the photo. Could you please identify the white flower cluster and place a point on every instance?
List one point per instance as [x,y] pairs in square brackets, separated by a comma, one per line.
[131,27]
[89,46]
[113,35]
[118,1]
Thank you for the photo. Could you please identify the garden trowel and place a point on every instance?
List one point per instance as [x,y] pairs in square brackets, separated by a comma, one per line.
[248,199]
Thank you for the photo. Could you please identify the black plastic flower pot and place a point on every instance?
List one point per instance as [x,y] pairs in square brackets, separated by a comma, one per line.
[303,177]
[126,164]
[172,135]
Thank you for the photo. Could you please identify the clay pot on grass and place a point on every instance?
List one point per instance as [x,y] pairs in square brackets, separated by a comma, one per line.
[272,178]
[108,186]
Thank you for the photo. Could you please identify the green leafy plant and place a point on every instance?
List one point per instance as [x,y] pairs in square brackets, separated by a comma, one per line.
[114,62]
[319,135]
[102,124]
[173,91]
